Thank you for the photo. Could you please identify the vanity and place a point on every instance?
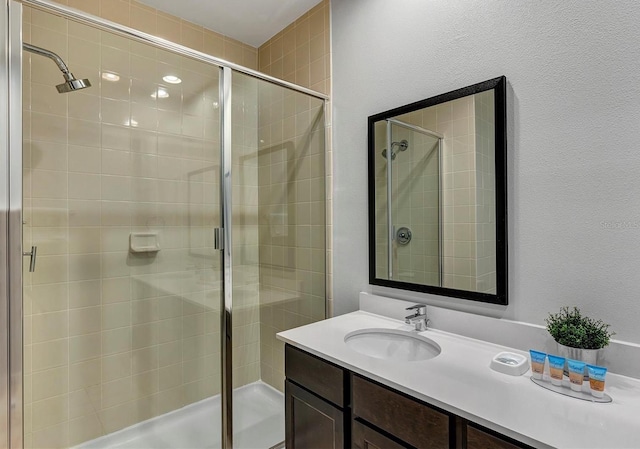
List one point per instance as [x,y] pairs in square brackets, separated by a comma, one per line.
[329,406]
[337,397]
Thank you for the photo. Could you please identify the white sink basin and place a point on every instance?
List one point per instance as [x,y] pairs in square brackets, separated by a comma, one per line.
[391,344]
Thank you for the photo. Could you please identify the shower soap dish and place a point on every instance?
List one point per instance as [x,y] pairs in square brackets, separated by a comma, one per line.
[510,363]
[144,242]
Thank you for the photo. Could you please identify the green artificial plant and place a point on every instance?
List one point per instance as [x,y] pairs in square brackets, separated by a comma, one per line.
[571,328]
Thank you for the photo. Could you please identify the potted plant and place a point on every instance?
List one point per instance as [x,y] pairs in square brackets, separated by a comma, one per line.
[578,337]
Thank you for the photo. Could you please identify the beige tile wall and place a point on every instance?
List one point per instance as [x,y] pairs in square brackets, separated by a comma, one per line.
[292,206]
[415,187]
[300,53]
[485,192]
[469,194]
[111,337]
[455,120]
[381,208]
[246,311]
[150,20]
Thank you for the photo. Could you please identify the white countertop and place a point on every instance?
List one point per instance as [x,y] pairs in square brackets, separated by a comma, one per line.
[460,381]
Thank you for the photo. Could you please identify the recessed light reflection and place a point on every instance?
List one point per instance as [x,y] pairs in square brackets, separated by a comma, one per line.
[215,105]
[172,79]
[108,76]
[131,122]
[160,93]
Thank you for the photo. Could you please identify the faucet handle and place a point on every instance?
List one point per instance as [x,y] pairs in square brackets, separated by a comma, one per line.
[419,318]
[421,308]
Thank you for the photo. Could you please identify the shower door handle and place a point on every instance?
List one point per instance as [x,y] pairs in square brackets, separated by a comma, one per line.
[218,239]
[32,263]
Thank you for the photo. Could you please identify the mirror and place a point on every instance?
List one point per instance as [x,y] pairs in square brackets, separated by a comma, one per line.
[438,194]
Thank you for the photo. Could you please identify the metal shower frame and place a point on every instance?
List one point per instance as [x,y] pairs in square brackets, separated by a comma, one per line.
[11,365]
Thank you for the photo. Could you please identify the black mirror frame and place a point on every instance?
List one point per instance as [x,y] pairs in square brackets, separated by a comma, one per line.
[499,85]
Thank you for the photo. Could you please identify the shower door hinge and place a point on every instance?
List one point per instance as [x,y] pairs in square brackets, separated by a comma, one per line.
[218,239]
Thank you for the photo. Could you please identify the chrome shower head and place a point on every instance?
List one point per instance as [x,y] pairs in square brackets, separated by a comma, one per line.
[384,154]
[71,83]
[402,146]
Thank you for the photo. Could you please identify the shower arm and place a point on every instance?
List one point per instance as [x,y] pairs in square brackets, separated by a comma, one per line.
[51,55]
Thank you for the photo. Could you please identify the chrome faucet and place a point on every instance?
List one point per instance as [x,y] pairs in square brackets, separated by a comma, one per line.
[419,319]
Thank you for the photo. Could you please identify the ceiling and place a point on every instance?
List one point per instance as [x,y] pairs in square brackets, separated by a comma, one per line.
[250,21]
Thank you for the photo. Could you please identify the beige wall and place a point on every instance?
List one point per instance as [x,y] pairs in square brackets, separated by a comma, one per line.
[415,200]
[455,120]
[296,268]
[112,337]
[246,313]
[466,167]
[292,206]
[485,192]
[301,52]
[150,20]
[469,193]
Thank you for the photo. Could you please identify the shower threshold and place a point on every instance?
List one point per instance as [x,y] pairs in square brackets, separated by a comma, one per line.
[258,418]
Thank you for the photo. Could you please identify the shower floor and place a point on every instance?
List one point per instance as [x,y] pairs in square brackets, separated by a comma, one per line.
[258,419]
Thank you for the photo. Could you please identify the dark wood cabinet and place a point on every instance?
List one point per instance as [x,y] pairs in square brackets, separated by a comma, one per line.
[418,424]
[329,407]
[364,437]
[311,421]
[319,376]
[477,438]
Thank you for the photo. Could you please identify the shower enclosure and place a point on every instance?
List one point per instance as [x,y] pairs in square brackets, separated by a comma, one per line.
[409,219]
[158,228]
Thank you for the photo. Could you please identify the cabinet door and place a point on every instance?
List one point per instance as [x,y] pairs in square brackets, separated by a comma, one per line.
[478,439]
[364,437]
[311,423]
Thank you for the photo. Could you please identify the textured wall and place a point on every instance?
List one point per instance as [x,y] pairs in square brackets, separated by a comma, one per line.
[574,109]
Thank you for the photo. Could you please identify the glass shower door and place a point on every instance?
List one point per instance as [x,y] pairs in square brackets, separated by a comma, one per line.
[121,199]
[279,251]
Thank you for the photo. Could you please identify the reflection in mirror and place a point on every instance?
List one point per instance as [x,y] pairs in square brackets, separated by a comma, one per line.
[437,195]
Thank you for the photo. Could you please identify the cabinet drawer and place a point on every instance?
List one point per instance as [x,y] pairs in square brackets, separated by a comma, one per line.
[479,439]
[413,422]
[321,377]
[364,437]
